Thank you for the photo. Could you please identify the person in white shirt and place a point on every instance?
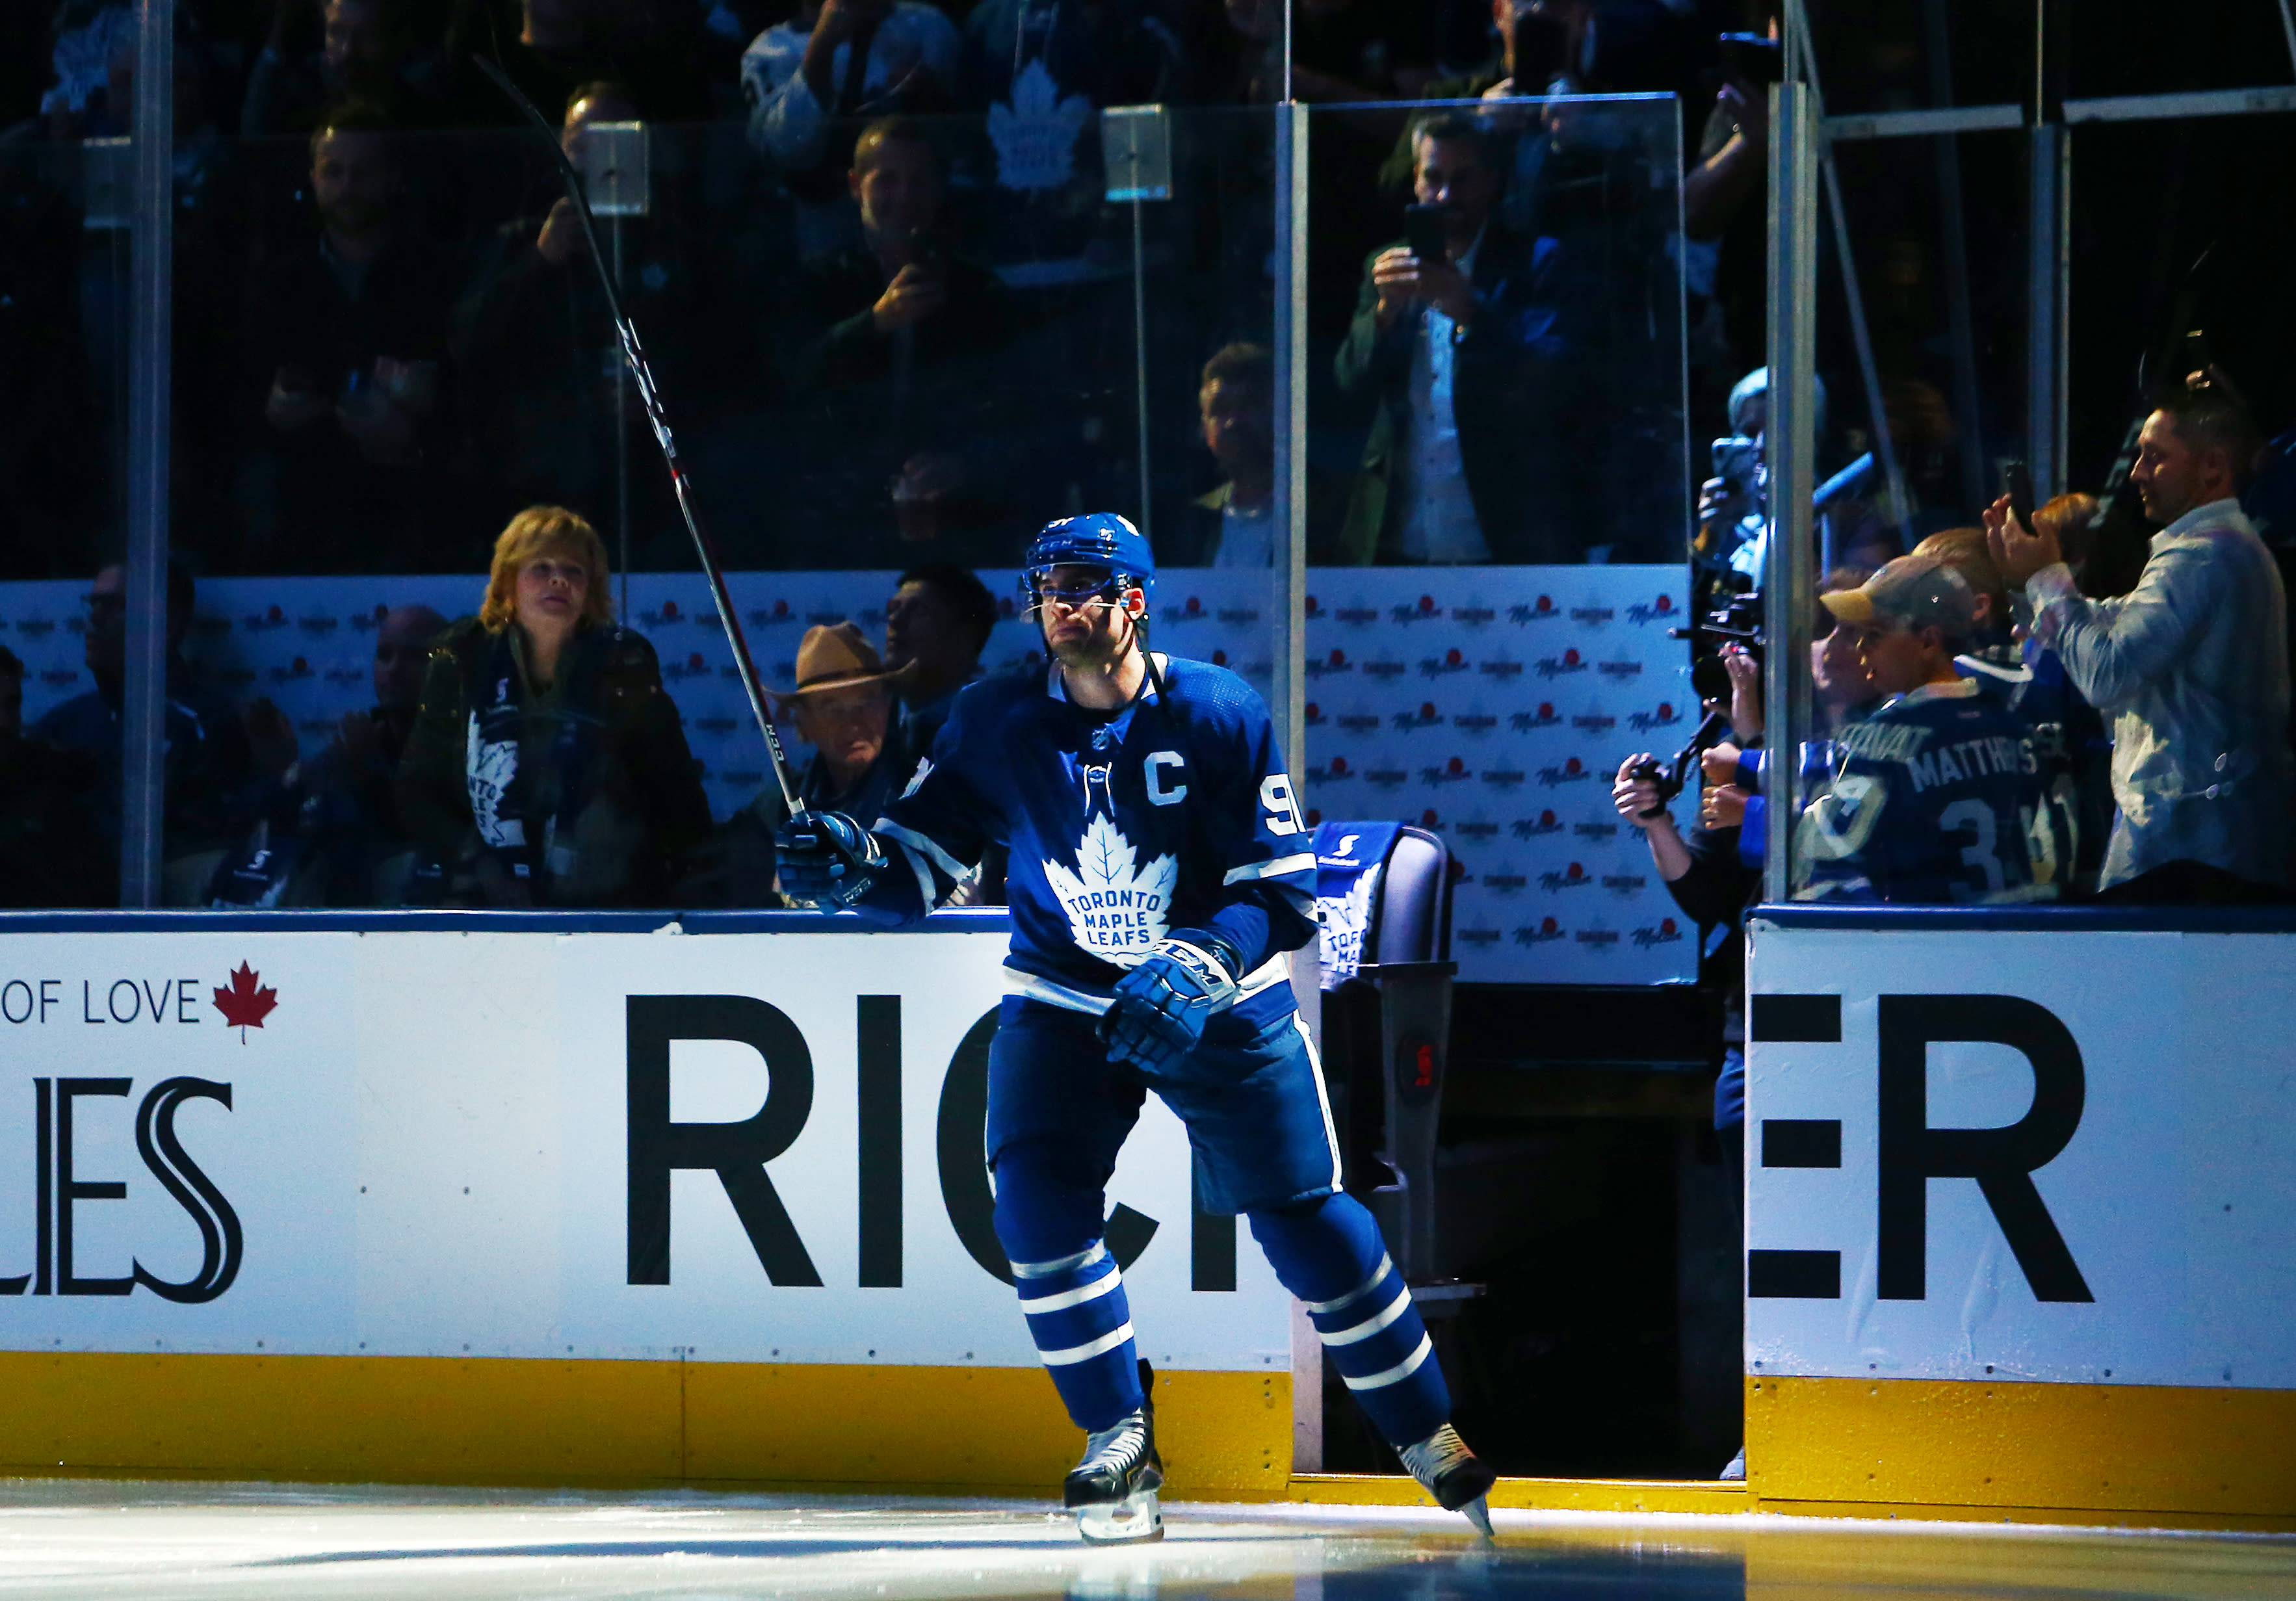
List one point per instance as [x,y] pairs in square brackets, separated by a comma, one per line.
[2190,668]
[1469,457]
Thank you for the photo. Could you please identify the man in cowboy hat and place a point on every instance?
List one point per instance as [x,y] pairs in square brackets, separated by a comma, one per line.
[843,703]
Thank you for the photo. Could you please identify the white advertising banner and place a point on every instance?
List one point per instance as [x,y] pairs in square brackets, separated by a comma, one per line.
[178,1119]
[2056,1155]
[1491,705]
[740,1148]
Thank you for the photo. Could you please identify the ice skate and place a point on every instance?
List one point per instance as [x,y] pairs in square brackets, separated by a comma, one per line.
[1452,1474]
[1114,1489]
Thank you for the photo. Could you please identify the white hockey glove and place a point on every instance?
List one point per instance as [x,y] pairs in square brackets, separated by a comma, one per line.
[1161,1007]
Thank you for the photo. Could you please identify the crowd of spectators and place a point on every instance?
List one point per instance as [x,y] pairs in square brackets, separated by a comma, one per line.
[526,755]
[873,268]
[876,273]
[2005,715]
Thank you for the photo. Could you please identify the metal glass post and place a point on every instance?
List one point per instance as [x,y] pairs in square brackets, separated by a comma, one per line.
[1289,512]
[1140,361]
[151,287]
[2048,266]
[621,439]
[1955,249]
[1790,439]
[1288,585]
[2048,270]
[1136,144]
[618,180]
[1893,477]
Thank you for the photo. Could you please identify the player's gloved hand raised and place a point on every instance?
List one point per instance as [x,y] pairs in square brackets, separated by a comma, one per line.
[826,860]
[1162,1005]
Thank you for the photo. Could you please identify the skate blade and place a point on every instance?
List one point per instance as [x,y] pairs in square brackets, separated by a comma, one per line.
[1133,1521]
[1479,1513]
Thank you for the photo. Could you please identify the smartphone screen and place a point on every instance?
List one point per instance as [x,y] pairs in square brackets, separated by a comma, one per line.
[2017,483]
[1423,232]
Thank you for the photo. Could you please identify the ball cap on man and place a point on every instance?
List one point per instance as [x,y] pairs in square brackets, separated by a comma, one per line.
[1912,591]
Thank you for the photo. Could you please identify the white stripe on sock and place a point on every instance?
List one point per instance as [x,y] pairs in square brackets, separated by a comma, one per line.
[1081,1353]
[1370,1326]
[1031,1305]
[1364,1288]
[1390,1376]
[1082,1259]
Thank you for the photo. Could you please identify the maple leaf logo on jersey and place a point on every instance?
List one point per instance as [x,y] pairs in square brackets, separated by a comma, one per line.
[1116,909]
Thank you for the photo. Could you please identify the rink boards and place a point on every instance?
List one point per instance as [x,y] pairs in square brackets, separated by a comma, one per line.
[493,1204]
[2019,1193]
[501,1205]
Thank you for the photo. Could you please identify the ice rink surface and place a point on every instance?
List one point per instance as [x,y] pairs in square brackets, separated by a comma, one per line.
[154,1541]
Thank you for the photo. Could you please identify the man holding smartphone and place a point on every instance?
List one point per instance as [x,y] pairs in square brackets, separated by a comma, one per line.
[1453,333]
[2190,670]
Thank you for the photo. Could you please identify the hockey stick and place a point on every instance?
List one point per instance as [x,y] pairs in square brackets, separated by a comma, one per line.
[650,397]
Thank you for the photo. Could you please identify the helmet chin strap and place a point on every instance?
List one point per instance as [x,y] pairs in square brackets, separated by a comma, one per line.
[1155,680]
[1137,640]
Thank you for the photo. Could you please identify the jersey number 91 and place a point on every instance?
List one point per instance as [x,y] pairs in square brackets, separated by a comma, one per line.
[1283,811]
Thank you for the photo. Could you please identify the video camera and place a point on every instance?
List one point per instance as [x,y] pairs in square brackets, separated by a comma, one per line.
[1731,618]
[1671,777]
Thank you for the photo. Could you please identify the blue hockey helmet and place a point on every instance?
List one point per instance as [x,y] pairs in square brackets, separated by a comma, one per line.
[1093,539]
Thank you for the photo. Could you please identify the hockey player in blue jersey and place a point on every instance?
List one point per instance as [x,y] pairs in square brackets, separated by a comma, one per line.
[1935,798]
[1159,871]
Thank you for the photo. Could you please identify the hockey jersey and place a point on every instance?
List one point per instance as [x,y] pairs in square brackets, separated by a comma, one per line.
[2074,754]
[1175,812]
[1932,800]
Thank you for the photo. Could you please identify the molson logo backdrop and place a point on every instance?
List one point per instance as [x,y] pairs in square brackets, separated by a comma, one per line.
[1491,705]
[1525,688]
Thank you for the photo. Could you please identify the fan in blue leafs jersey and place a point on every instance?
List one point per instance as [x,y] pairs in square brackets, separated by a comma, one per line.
[1175,813]
[1932,800]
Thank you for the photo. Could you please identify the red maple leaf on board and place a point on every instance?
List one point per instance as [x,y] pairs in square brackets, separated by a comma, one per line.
[244,1005]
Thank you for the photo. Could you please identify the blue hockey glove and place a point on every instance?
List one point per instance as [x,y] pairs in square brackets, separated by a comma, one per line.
[1162,1005]
[827,860]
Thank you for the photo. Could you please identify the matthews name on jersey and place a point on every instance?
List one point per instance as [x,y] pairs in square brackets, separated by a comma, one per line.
[1174,812]
[1934,799]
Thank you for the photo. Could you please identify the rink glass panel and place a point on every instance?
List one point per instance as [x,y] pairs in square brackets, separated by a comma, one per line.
[1936,229]
[64,261]
[1490,696]
[303,533]
[319,488]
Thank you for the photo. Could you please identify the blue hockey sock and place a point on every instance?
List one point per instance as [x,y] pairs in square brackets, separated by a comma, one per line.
[1048,1219]
[1329,1254]
[1082,1325]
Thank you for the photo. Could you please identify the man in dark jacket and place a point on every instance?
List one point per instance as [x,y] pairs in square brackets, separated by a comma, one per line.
[1467,460]
[843,707]
[213,787]
[897,406]
[350,341]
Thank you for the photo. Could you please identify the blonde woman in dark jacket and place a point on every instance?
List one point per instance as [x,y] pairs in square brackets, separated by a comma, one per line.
[547,766]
